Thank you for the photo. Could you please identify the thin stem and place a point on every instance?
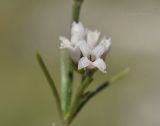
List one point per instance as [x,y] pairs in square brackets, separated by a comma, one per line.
[99,89]
[90,95]
[66,82]
[50,81]
[76,7]
[67,67]
[78,96]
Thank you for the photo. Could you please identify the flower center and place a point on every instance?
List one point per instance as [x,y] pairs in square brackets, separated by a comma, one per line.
[92,58]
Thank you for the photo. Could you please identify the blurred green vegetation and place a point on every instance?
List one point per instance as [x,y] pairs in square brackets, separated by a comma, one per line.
[27,26]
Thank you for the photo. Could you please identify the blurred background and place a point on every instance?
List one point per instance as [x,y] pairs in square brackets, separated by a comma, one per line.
[30,25]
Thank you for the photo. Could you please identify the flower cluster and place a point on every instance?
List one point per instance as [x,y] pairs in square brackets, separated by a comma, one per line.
[85,49]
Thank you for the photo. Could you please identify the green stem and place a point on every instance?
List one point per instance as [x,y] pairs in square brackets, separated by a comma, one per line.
[76,7]
[66,81]
[100,88]
[78,97]
[89,96]
[67,68]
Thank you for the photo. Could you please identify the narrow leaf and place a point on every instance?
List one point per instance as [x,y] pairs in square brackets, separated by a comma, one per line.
[100,88]
[90,95]
[50,80]
[87,81]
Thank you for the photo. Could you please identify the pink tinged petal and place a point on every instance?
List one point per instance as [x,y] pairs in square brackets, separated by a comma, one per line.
[92,38]
[83,63]
[84,48]
[100,64]
[101,48]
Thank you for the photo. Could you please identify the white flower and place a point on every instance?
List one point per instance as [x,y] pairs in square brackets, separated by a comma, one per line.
[78,32]
[72,45]
[85,48]
[94,52]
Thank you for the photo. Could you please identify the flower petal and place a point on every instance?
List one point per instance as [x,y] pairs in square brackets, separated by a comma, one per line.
[77,31]
[83,63]
[102,47]
[64,42]
[92,38]
[100,64]
[75,39]
[84,48]
[74,52]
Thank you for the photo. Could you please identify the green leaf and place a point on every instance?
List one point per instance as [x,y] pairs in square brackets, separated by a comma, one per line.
[79,93]
[50,81]
[90,94]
